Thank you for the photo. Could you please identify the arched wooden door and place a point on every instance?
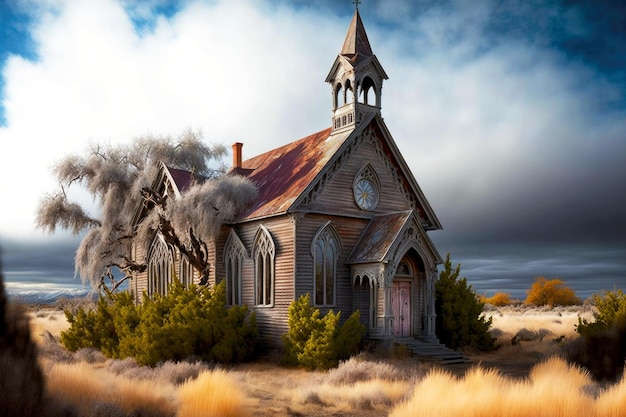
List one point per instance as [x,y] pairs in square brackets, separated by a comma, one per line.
[401,308]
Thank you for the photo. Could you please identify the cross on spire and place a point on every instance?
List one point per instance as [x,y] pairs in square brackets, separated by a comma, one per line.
[356,4]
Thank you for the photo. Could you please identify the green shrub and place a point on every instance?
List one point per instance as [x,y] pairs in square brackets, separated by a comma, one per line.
[611,306]
[317,342]
[602,345]
[348,340]
[460,322]
[320,350]
[95,328]
[551,293]
[187,322]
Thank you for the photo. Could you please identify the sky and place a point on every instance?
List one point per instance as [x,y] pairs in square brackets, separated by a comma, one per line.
[511,114]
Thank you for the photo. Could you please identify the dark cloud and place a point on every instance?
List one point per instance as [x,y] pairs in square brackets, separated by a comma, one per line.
[512,268]
[39,261]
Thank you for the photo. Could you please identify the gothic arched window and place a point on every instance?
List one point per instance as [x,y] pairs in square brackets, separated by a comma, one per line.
[263,254]
[234,251]
[160,266]
[325,250]
[337,95]
[369,91]
[185,273]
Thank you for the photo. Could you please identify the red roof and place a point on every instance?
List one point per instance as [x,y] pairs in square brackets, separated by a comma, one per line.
[283,174]
[183,179]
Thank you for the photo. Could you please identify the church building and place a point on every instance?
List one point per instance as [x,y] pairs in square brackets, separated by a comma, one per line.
[339,216]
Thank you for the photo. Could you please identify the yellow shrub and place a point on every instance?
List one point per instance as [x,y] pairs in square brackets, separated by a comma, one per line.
[499,299]
[551,293]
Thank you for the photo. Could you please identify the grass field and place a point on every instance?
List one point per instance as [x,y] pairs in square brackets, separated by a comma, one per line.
[522,379]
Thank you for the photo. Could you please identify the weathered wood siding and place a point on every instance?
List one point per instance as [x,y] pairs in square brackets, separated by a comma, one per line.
[337,195]
[272,320]
[140,280]
[349,230]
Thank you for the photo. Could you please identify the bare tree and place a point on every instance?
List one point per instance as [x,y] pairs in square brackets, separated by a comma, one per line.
[120,179]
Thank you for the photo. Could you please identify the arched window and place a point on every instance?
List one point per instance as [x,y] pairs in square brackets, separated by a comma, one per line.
[263,255]
[185,273]
[234,251]
[368,89]
[349,93]
[338,94]
[325,250]
[404,269]
[160,266]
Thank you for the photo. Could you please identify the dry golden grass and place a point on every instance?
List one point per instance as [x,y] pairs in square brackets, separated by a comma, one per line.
[561,321]
[215,393]
[554,326]
[553,389]
[82,386]
[375,394]
[612,401]
[366,386]
[52,321]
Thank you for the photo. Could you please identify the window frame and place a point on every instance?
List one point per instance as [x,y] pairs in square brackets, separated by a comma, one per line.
[326,238]
[264,257]
[234,252]
[366,175]
[160,266]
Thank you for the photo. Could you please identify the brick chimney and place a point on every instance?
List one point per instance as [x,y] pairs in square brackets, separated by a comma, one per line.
[237,154]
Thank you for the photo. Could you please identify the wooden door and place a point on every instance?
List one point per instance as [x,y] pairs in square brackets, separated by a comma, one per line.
[401,306]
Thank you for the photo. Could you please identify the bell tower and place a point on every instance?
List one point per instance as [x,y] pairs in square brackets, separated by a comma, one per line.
[356,78]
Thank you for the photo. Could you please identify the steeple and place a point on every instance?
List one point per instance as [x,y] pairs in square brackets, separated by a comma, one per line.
[355,75]
[356,46]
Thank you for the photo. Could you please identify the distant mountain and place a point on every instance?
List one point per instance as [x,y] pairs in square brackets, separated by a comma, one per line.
[44,296]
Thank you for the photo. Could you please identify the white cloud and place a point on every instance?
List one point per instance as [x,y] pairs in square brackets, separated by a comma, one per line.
[236,71]
[477,126]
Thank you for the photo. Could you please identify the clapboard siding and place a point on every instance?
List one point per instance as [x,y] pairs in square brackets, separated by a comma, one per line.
[337,195]
[349,231]
[272,320]
[140,279]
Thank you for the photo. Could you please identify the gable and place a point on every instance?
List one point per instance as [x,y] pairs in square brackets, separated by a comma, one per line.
[382,237]
[371,147]
[168,181]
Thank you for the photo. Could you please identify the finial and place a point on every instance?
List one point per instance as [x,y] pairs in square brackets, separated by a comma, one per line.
[356,4]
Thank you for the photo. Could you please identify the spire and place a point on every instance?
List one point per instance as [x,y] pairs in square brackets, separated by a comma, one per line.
[356,78]
[356,45]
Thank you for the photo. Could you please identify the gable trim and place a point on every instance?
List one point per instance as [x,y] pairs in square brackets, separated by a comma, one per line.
[349,145]
[431,217]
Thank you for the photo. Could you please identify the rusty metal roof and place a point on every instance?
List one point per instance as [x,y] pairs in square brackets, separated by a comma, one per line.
[283,174]
[378,237]
[280,175]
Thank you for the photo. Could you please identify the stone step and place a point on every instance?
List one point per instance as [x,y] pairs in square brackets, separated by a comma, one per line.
[435,351]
